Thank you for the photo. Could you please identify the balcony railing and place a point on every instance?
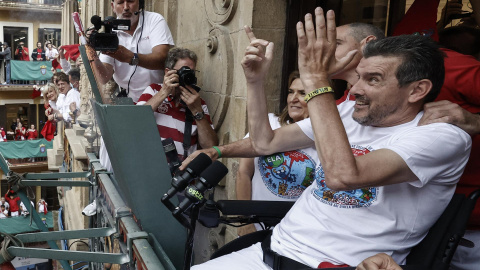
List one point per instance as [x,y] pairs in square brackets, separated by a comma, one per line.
[41,2]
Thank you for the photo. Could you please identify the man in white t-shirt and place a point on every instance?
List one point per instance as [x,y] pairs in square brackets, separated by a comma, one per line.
[140,58]
[381,181]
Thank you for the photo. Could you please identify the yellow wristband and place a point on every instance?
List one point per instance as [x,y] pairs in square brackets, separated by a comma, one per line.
[318,91]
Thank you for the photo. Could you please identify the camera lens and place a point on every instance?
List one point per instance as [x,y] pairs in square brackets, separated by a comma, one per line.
[186,76]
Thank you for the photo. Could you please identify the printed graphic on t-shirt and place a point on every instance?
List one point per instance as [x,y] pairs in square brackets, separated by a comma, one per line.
[287,174]
[356,198]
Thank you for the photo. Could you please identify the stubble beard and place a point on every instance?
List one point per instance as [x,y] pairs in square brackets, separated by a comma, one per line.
[375,115]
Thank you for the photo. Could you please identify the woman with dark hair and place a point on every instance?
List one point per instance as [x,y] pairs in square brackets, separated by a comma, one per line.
[281,176]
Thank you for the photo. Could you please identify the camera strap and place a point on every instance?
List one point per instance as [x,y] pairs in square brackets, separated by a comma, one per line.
[187,132]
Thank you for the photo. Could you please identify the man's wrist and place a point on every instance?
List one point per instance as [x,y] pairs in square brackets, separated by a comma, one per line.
[311,83]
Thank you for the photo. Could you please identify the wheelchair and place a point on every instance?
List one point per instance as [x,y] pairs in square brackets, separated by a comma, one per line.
[434,252]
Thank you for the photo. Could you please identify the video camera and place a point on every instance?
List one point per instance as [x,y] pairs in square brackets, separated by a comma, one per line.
[108,40]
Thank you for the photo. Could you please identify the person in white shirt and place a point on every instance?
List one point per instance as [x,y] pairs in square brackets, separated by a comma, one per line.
[140,58]
[3,202]
[3,212]
[50,52]
[25,210]
[42,206]
[67,99]
[381,181]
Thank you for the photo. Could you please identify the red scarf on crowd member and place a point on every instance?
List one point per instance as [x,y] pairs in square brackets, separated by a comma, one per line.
[420,18]
[71,52]
[45,211]
[48,130]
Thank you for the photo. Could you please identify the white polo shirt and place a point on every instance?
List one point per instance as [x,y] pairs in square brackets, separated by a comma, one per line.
[155,32]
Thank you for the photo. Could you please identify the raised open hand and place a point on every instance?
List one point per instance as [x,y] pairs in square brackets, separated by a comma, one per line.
[316,49]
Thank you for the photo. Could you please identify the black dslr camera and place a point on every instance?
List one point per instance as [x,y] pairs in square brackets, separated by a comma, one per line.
[186,76]
[108,40]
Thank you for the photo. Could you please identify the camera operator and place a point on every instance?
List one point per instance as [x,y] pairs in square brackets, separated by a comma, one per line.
[7,54]
[177,100]
[21,53]
[140,57]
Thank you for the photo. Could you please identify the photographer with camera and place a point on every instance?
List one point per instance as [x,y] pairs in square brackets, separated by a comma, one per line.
[7,54]
[139,59]
[21,53]
[177,100]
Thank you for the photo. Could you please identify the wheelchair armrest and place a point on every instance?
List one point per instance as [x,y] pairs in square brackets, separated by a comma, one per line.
[256,208]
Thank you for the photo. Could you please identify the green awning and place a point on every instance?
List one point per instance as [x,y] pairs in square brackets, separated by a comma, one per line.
[25,149]
[21,224]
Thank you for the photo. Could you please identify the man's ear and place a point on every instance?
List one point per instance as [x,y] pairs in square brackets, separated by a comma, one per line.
[366,40]
[419,90]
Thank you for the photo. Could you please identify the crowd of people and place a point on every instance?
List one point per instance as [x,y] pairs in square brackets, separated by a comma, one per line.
[21,133]
[47,52]
[370,172]
[12,206]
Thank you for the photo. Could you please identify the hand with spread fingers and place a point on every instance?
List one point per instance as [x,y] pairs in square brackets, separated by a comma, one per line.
[447,112]
[257,59]
[316,49]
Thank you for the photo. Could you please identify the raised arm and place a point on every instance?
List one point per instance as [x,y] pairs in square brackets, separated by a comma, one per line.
[256,63]
[343,171]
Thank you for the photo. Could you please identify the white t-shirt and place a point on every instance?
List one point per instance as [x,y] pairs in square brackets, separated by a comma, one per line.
[345,227]
[283,176]
[41,207]
[3,214]
[156,32]
[65,65]
[53,104]
[64,101]
[24,209]
[51,54]
[7,205]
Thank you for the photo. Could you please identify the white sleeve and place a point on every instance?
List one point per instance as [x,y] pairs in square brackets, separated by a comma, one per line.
[159,31]
[107,59]
[436,152]
[306,126]
[65,65]
[273,120]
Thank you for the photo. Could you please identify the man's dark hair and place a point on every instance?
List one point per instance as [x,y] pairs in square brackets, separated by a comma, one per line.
[63,77]
[421,59]
[462,39]
[74,74]
[175,54]
[359,31]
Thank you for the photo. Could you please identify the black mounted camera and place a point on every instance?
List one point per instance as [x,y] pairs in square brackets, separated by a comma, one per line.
[108,40]
[186,76]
